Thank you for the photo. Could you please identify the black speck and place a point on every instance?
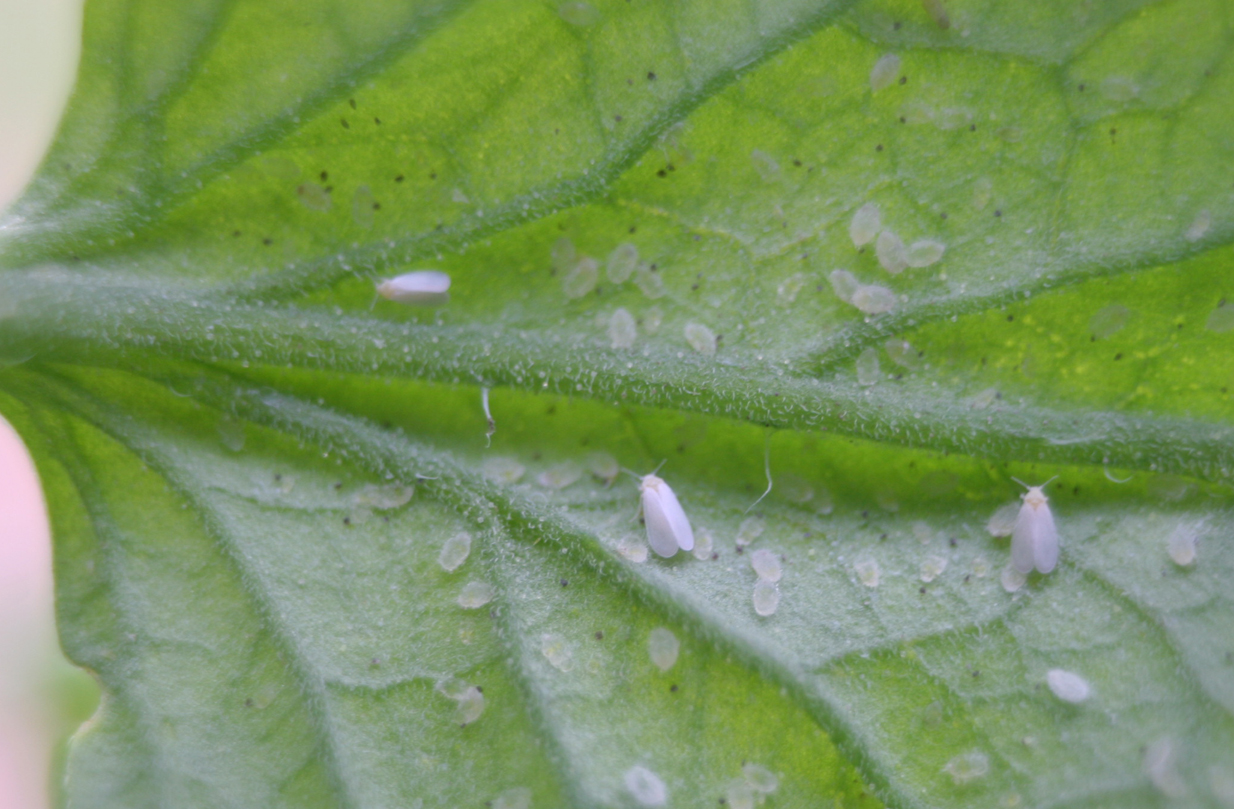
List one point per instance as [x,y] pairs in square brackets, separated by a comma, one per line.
[248,703]
[740,549]
[976,674]
[376,206]
[922,591]
[329,188]
[797,163]
[617,118]
[673,688]
[398,179]
[352,102]
[480,688]
[952,542]
[633,228]
[895,26]
[346,125]
[565,582]
[904,80]
[878,148]
[376,120]
[325,175]
[1118,356]
[599,636]
[267,241]
[694,287]
[1010,318]
[943,215]
[998,212]
[235,233]
[347,521]
[1081,88]
[432,175]
[715,555]
[661,173]
[651,76]
[338,486]
[972,127]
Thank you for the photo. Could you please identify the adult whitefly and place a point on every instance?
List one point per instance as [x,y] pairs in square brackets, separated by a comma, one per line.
[668,528]
[422,287]
[1067,685]
[1034,539]
[1161,766]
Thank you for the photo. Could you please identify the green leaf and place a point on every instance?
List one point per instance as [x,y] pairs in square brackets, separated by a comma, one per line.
[261,475]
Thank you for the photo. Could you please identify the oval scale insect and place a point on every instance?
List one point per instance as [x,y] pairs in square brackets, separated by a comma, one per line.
[668,528]
[1034,539]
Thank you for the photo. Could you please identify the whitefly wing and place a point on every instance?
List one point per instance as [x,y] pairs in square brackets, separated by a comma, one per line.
[1045,540]
[677,518]
[1023,537]
[659,526]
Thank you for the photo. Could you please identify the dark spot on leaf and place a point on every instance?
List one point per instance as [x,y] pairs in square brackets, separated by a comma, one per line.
[346,125]
[651,76]
[673,688]
[267,241]
[377,120]
[325,175]
[1118,356]
[599,636]
[878,148]
[904,80]
[398,179]
[352,102]
[1010,318]
[565,582]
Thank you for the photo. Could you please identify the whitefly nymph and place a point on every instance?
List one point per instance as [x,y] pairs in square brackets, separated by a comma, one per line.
[422,287]
[1034,539]
[668,528]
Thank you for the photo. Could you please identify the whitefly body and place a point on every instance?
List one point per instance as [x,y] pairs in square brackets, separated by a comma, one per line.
[1034,539]
[668,528]
[423,287]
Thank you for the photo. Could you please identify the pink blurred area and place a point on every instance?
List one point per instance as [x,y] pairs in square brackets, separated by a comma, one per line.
[39,43]
[26,629]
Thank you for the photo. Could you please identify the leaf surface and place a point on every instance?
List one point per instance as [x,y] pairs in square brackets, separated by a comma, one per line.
[255,466]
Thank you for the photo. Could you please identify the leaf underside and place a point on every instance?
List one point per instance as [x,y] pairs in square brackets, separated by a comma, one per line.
[252,463]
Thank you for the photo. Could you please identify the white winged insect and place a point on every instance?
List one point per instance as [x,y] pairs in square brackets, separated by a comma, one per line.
[423,287]
[668,528]
[1034,539]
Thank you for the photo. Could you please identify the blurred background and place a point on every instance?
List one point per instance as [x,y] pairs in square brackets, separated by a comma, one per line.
[42,697]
